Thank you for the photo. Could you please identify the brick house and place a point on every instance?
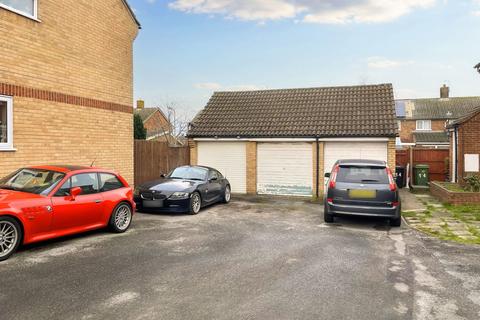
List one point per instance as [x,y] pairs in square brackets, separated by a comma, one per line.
[283,141]
[155,122]
[422,122]
[66,83]
[465,145]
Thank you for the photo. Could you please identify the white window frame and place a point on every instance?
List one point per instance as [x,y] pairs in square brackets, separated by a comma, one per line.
[399,123]
[422,127]
[22,13]
[8,146]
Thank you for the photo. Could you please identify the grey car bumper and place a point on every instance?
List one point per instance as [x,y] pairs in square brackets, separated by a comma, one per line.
[385,212]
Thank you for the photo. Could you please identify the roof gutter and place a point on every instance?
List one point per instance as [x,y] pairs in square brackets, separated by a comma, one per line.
[300,139]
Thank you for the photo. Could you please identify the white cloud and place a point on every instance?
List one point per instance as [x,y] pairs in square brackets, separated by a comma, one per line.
[310,11]
[213,86]
[476,13]
[384,63]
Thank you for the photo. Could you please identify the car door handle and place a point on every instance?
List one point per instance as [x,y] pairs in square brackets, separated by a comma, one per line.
[98,201]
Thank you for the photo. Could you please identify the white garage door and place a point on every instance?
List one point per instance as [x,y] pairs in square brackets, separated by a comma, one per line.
[353,150]
[284,168]
[227,157]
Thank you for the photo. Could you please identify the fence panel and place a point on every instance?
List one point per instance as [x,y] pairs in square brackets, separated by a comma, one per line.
[152,158]
[434,158]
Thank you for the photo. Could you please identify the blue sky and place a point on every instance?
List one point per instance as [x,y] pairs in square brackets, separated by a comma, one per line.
[189,48]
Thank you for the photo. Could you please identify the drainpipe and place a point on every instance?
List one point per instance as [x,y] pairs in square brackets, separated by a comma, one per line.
[316,169]
[456,153]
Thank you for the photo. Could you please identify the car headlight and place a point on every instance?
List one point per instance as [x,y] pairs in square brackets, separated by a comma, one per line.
[179,195]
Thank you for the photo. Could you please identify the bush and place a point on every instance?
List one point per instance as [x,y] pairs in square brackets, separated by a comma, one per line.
[473,183]
[139,131]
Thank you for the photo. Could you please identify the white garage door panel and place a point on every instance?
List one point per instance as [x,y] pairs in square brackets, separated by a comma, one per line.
[227,157]
[284,168]
[353,150]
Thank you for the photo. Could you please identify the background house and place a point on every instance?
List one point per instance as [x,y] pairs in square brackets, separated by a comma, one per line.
[465,145]
[422,122]
[283,141]
[66,96]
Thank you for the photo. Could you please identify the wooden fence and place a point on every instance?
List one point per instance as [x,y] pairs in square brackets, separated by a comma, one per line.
[434,158]
[152,158]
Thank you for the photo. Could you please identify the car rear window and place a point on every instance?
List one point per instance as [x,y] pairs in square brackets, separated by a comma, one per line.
[362,174]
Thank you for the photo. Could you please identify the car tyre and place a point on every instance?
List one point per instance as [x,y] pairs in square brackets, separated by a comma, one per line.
[227,195]
[327,216]
[11,236]
[121,218]
[195,203]
[397,222]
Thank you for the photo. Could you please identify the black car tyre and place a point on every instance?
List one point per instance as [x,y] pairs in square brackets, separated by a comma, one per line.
[121,218]
[397,222]
[195,203]
[10,237]
[327,216]
[227,195]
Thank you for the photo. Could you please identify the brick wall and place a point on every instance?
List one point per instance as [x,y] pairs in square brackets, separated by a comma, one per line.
[409,126]
[157,123]
[251,167]
[468,142]
[193,152]
[456,198]
[391,154]
[57,133]
[70,76]
[320,186]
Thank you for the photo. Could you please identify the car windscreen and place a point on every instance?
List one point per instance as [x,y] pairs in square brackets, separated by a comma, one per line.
[38,181]
[362,174]
[189,173]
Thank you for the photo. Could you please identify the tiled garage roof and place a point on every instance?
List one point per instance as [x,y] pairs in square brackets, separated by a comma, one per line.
[431,137]
[355,111]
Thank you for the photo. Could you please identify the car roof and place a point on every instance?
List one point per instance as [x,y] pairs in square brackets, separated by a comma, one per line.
[201,167]
[66,168]
[361,162]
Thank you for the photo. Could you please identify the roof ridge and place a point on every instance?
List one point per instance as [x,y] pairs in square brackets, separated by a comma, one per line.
[308,88]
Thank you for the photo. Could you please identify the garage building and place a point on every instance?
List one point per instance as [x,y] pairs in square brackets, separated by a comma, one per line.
[282,142]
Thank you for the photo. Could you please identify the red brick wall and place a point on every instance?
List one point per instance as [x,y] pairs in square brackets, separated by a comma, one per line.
[409,126]
[454,197]
[468,142]
[156,122]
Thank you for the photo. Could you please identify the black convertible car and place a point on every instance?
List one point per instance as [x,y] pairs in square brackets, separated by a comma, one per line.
[185,189]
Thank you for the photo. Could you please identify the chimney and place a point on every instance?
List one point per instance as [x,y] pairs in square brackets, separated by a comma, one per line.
[444,92]
[140,104]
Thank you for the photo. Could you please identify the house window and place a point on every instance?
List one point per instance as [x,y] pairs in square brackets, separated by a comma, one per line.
[6,123]
[424,125]
[26,8]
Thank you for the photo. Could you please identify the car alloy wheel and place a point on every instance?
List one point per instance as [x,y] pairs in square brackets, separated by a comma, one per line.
[123,216]
[8,238]
[196,203]
[228,194]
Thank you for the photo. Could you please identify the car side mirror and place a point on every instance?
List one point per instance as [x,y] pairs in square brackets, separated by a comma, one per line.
[213,179]
[74,192]
[163,175]
[327,175]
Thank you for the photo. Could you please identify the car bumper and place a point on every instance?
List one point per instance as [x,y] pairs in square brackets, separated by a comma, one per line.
[385,212]
[167,205]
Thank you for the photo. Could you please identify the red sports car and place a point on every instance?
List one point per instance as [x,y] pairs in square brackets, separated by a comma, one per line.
[44,202]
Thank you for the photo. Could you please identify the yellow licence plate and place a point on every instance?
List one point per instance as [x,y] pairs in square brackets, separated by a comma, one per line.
[362,194]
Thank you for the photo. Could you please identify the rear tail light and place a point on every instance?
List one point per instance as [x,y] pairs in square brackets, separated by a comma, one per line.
[391,181]
[395,204]
[333,177]
[330,200]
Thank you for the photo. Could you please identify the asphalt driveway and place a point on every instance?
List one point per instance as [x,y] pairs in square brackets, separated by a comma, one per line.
[252,259]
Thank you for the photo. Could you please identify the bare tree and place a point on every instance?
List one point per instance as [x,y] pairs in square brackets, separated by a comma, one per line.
[178,122]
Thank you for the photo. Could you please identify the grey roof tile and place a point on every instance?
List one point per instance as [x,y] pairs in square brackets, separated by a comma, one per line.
[440,137]
[446,108]
[367,110]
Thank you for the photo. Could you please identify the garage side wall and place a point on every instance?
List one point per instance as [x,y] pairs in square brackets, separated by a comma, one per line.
[251,167]
[318,185]
[391,154]
[193,152]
